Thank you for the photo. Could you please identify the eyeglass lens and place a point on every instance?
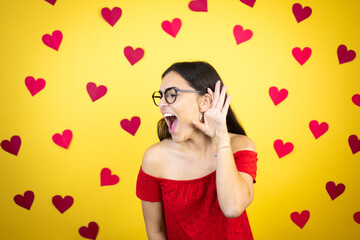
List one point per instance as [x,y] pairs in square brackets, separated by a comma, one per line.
[170,96]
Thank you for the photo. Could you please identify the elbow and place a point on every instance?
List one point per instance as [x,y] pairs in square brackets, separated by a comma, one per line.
[233,212]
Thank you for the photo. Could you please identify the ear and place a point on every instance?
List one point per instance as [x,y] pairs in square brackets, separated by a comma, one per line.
[205,102]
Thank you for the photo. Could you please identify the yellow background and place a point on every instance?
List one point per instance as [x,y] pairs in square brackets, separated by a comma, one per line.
[92,51]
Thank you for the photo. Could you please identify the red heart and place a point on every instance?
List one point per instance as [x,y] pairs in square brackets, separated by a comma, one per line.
[301,55]
[357,217]
[172,28]
[62,204]
[198,5]
[106,179]
[34,86]
[334,190]
[301,13]
[354,144]
[133,56]
[131,126]
[241,35]
[278,96]
[52,2]
[356,99]
[111,16]
[345,55]
[53,41]
[300,219]
[12,146]
[25,201]
[95,92]
[64,139]
[318,129]
[250,3]
[89,232]
[283,149]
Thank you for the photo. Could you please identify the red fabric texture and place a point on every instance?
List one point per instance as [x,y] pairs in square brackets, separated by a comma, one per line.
[191,207]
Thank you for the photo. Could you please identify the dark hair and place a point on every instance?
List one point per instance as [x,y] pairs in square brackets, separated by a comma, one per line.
[200,76]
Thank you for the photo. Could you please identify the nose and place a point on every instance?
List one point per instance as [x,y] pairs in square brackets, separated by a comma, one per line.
[162,102]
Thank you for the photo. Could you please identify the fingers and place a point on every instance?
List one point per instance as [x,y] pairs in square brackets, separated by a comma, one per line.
[226,105]
[216,93]
[220,103]
[211,94]
[218,97]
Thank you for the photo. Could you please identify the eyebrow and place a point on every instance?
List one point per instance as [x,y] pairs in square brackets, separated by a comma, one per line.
[169,88]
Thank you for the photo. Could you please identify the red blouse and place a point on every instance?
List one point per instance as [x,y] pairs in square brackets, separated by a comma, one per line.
[191,207]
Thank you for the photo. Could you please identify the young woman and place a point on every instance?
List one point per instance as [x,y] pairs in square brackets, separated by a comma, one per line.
[198,180]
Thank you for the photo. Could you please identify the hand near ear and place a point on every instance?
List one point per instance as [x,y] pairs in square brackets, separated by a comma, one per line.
[215,117]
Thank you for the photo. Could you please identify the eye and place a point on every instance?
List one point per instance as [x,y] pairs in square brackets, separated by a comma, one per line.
[170,93]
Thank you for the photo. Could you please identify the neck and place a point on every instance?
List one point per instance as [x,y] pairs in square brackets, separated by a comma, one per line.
[199,144]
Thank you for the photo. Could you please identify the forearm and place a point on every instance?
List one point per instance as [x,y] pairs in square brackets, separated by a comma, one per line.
[232,189]
[157,236]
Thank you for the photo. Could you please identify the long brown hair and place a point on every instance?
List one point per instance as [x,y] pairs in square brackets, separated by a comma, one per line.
[200,76]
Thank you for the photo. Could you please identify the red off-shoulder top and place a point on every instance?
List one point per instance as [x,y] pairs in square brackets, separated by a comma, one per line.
[191,207]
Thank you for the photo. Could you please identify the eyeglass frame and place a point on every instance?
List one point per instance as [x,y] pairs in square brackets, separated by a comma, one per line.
[162,94]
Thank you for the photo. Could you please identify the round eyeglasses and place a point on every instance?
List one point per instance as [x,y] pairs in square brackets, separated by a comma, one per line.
[170,95]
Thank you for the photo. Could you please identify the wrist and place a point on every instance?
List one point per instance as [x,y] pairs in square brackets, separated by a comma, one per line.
[222,140]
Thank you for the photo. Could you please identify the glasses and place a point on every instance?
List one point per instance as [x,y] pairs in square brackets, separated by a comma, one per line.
[170,95]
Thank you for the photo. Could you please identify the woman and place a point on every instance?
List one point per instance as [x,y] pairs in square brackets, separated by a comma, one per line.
[198,180]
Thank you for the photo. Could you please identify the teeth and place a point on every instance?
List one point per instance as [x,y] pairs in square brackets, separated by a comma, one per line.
[168,115]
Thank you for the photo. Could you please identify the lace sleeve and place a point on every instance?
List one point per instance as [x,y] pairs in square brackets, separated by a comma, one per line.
[246,161]
[148,188]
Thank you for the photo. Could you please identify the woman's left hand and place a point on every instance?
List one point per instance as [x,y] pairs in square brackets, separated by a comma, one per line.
[214,124]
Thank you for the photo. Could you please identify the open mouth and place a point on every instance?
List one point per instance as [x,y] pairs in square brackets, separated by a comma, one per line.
[171,121]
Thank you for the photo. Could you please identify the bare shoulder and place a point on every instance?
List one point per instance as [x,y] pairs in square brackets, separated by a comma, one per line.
[241,142]
[152,162]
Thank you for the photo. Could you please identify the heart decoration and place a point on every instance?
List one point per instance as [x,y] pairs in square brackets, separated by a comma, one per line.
[106,179]
[34,86]
[111,16]
[12,146]
[354,144]
[300,219]
[131,126]
[198,5]
[318,129]
[278,96]
[25,201]
[133,56]
[283,149]
[52,2]
[63,140]
[242,35]
[53,41]
[62,204]
[95,92]
[301,55]
[357,217]
[301,13]
[172,28]
[89,232]
[334,190]
[345,55]
[356,99]
[250,3]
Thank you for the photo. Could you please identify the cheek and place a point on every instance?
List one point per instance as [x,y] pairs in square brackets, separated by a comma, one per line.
[190,114]
[187,110]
